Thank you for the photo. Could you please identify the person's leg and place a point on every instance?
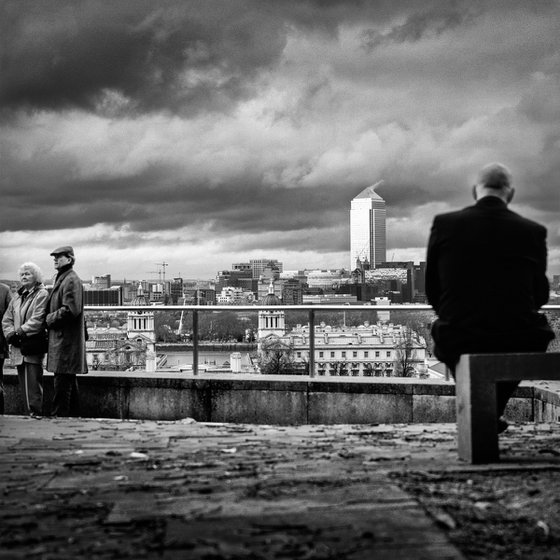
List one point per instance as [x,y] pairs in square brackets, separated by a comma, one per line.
[63,384]
[23,388]
[34,380]
[74,406]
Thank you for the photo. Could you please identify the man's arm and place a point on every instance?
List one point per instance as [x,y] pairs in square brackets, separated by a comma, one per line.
[432,275]
[542,288]
[72,303]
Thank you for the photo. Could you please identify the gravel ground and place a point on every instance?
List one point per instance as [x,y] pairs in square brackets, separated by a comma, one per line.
[505,516]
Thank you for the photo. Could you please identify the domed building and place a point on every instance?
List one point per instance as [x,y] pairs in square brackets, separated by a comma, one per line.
[120,348]
[271,323]
[141,326]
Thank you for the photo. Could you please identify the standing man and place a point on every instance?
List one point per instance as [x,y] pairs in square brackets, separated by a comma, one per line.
[65,321]
[5,297]
[486,279]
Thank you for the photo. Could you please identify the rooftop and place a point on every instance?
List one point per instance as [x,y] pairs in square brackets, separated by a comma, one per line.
[107,488]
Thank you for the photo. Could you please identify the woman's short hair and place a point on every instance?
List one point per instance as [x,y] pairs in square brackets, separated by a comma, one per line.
[35,270]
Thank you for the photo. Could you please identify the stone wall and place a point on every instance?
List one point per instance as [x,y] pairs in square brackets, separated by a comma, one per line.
[280,400]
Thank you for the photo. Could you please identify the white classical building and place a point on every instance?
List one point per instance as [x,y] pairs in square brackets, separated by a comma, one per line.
[132,347]
[379,350]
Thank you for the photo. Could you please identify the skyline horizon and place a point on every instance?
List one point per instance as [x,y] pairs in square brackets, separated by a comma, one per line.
[209,133]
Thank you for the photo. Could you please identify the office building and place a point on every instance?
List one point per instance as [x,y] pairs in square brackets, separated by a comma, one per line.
[367,228]
[103,296]
[101,282]
[258,266]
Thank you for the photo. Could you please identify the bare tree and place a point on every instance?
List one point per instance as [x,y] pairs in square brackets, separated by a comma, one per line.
[404,353]
[275,357]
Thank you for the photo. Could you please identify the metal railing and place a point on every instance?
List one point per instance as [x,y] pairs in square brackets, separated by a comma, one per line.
[311,309]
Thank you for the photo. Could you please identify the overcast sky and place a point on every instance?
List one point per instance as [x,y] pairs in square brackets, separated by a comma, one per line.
[203,133]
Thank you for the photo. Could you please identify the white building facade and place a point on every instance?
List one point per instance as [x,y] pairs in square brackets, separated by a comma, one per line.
[380,350]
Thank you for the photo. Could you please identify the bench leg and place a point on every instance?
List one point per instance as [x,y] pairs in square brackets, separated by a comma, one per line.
[477,432]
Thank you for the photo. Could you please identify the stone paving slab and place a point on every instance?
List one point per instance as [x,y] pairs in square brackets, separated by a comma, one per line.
[96,488]
[136,489]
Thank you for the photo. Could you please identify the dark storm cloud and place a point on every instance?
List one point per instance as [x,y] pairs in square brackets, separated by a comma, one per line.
[430,20]
[158,55]
[176,55]
[245,204]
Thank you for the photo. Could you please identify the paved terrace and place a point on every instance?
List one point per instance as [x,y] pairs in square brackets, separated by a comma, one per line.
[109,488]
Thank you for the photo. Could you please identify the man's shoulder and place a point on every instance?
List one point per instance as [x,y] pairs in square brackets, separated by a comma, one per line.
[474,213]
[71,276]
[454,215]
[527,222]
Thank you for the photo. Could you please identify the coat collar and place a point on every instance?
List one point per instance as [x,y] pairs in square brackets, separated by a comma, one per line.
[61,275]
[490,202]
[33,289]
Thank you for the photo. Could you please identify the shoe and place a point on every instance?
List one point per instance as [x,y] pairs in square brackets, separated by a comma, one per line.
[35,416]
[502,425]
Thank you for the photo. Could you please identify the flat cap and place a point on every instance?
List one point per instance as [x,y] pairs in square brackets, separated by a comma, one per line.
[64,250]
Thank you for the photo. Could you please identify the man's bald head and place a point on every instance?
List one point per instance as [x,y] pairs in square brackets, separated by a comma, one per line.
[494,179]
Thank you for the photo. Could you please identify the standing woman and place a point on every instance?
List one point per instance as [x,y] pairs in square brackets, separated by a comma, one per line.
[24,327]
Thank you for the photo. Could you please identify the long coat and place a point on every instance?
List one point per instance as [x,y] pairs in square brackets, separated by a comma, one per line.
[4,301]
[65,321]
[28,315]
[486,280]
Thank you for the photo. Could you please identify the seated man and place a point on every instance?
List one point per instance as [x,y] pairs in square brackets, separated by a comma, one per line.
[485,279]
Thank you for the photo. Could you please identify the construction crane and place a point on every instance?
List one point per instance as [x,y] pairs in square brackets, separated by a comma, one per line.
[163,266]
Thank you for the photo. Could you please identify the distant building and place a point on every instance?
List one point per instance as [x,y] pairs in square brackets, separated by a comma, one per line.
[176,290]
[367,228]
[101,282]
[231,295]
[259,265]
[327,279]
[292,291]
[103,296]
[271,323]
[199,296]
[130,348]
[242,267]
[329,299]
[381,350]
[402,282]
[365,351]
[265,285]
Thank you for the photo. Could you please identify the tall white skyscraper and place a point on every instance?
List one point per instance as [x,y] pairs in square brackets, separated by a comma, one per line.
[367,228]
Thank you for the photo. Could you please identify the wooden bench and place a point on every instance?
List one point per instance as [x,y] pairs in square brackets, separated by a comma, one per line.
[476,377]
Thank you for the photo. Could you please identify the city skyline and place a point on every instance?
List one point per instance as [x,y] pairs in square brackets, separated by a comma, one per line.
[202,134]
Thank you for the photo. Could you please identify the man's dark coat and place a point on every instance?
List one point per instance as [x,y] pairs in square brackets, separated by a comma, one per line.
[485,278]
[65,321]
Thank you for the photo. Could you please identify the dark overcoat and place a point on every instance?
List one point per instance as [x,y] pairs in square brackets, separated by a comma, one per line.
[486,280]
[65,321]
[5,297]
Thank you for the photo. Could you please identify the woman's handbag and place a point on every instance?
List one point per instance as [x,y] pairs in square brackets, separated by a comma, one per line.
[35,344]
